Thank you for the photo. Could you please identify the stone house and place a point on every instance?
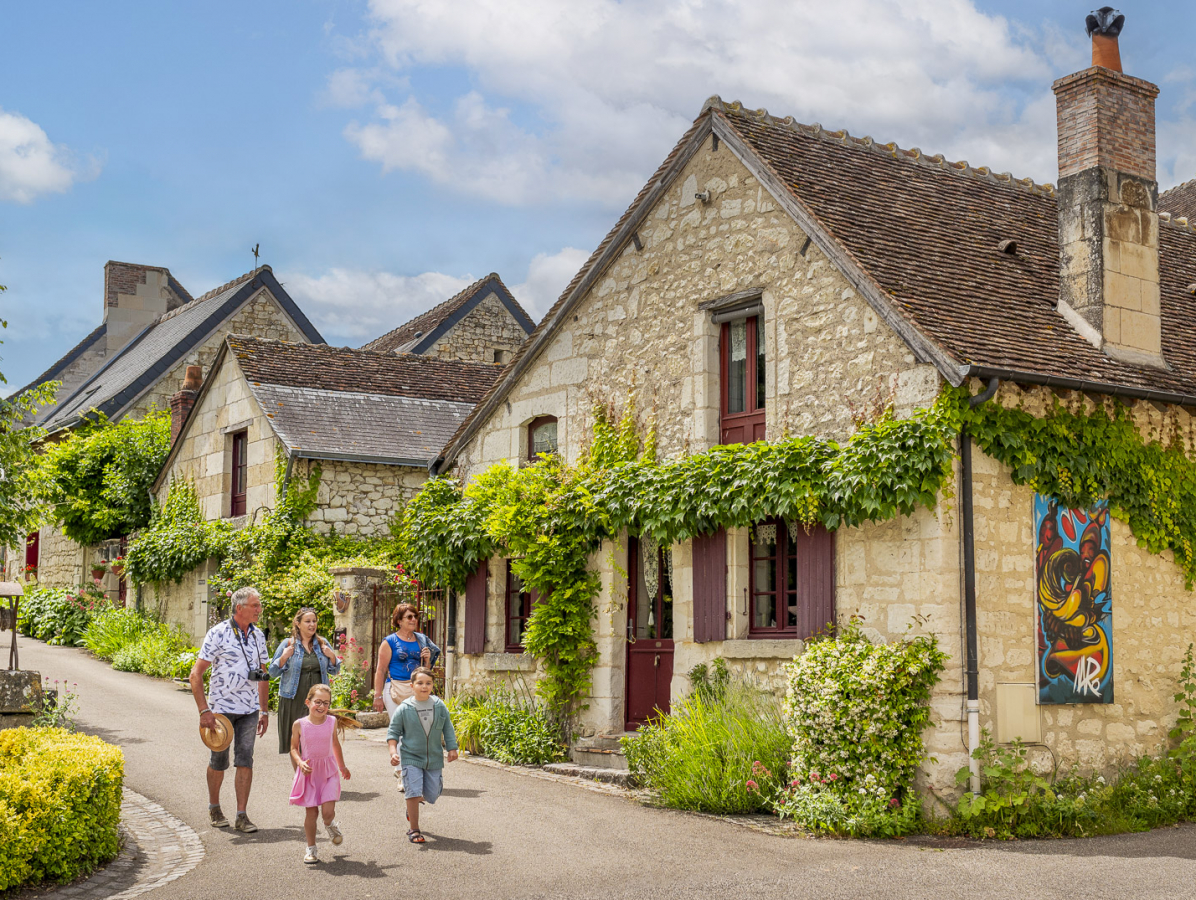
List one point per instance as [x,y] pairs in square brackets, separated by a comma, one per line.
[483,323]
[372,422]
[133,362]
[774,278]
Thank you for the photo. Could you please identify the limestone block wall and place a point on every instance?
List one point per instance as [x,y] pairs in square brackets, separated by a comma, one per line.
[261,317]
[640,329]
[187,603]
[60,560]
[361,498]
[205,456]
[1154,616]
[484,329]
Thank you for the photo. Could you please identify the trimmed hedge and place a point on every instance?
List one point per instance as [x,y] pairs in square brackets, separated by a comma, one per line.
[59,804]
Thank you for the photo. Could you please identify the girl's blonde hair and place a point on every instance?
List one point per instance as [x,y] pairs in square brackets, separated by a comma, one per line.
[299,618]
[319,688]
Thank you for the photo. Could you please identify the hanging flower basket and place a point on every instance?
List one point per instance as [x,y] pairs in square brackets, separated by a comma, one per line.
[98,569]
[117,566]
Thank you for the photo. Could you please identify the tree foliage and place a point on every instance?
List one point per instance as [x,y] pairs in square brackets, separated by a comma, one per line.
[96,481]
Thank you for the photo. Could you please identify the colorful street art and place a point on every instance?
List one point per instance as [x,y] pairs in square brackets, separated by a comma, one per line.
[1074,604]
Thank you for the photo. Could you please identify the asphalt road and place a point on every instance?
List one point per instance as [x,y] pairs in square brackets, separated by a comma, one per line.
[499,834]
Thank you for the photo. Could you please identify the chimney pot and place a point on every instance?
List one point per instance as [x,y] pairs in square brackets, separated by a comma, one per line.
[1104,25]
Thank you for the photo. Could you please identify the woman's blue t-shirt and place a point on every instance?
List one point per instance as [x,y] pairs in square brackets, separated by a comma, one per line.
[404,658]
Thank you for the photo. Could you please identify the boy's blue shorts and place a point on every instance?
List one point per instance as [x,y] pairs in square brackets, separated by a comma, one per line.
[426,783]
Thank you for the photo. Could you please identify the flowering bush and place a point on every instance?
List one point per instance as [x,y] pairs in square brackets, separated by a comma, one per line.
[60,616]
[351,687]
[855,712]
[58,707]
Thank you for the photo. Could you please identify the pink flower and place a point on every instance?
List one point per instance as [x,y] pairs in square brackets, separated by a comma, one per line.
[752,786]
[794,783]
[814,777]
[833,777]
[893,802]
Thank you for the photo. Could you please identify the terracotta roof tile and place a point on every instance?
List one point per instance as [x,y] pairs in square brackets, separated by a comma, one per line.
[1180,201]
[321,367]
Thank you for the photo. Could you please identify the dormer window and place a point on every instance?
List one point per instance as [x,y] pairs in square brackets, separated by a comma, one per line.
[541,436]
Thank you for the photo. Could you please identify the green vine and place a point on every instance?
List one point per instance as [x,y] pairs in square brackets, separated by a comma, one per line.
[95,483]
[1083,456]
[549,517]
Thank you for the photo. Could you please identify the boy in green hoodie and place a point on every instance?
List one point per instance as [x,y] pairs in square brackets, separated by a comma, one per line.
[421,722]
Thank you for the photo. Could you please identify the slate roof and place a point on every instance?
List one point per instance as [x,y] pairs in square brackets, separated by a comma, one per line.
[419,334]
[1180,201]
[55,371]
[137,366]
[344,369]
[918,235]
[336,403]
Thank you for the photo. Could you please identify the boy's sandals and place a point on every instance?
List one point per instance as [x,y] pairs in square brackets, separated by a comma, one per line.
[415,837]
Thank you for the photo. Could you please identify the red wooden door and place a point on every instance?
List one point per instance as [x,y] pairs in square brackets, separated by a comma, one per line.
[649,677]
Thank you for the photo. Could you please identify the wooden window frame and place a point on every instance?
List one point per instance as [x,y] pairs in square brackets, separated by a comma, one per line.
[508,618]
[240,467]
[787,555]
[531,430]
[753,416]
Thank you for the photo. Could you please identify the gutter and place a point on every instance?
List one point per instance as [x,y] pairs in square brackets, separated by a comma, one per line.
[971,632]
[1079,384]
[332,456]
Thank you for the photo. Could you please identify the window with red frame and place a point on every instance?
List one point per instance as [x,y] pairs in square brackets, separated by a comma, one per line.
[240,472]
[791,580]
[520,601]
[741,351]
[541,436]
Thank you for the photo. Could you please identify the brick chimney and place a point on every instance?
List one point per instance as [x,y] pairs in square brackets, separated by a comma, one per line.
[181,403]
[134,296]
[1108,202]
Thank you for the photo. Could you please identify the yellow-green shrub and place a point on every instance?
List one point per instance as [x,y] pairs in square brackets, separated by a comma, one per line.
[59,804]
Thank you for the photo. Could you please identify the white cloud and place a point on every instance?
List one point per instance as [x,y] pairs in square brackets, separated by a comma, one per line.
[31,165]
[582,100]
[547,276]
[353,307]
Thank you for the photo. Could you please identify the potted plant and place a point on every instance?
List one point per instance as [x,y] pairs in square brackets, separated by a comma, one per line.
[98,569]
[117,566]
[31,573]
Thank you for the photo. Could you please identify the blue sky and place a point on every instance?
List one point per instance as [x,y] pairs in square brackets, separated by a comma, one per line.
[386,153]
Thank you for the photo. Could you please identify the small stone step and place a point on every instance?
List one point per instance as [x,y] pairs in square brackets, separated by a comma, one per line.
[598,759]
[620,777]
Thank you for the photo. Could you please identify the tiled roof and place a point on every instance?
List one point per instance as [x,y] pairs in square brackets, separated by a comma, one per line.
[423,331]
[322,424]
[1180,201]
[924,233]
[145,359]
[320,367]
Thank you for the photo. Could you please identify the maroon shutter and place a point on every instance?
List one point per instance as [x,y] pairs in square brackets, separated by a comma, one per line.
[475,610]
[815,559]
[710,586]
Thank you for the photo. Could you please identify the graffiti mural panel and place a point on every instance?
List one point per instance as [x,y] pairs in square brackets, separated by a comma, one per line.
[1073,603]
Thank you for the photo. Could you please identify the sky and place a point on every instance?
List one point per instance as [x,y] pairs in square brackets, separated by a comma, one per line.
[385,154]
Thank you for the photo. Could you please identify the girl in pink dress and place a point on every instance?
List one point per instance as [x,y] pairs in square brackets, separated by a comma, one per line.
[319,767]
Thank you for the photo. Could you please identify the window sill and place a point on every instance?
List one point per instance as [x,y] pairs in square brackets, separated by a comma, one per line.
[508,662]
[762,648]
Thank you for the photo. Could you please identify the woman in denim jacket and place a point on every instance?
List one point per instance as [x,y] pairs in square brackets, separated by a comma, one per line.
[300,661]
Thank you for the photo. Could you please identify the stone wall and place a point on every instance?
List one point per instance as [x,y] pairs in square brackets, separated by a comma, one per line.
[487,327]
[362,498]
[1154,616]
[205,455]
[187,603]
[640,329]
[60,560]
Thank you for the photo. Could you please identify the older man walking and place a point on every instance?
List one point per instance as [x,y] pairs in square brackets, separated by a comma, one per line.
[239,688]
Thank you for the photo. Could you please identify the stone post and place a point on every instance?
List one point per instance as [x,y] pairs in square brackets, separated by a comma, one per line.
[353,613]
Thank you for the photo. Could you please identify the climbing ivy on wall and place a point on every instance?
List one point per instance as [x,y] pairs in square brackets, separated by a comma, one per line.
[549,517]
[1081,456]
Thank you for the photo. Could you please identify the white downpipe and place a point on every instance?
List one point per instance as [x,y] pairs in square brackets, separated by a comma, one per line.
[974,743]
[449,659]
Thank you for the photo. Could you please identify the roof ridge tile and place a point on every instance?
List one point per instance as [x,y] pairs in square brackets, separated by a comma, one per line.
[869,144]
